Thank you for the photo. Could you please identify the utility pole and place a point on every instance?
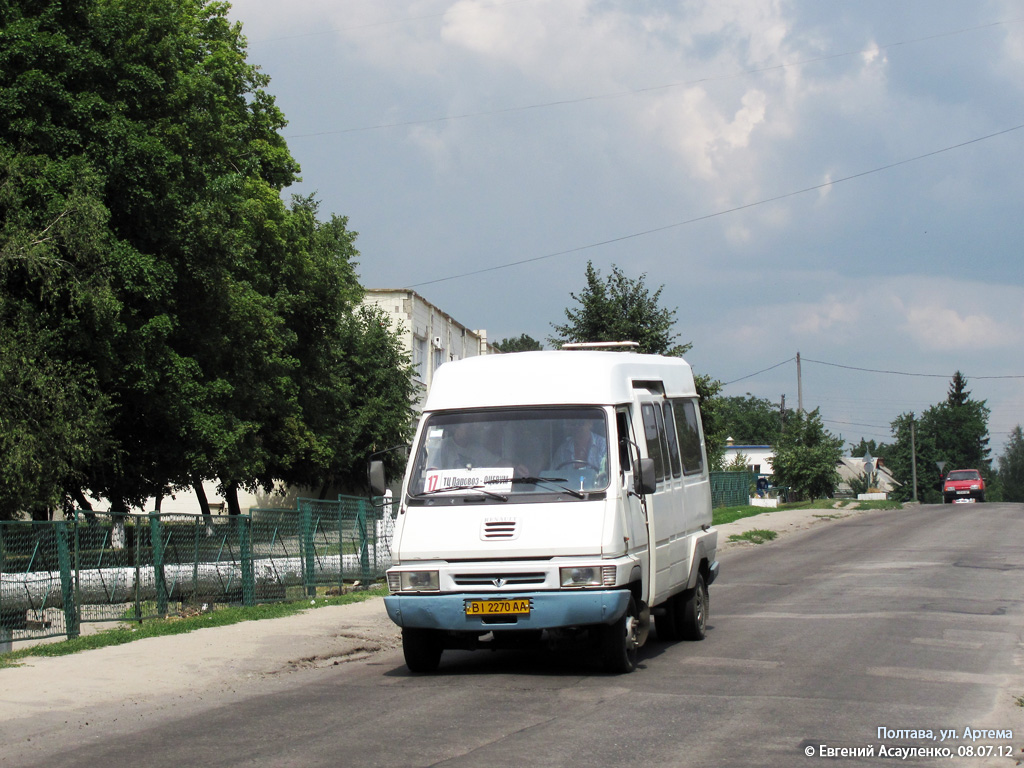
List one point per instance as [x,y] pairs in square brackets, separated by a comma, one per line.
[799,387]
[782,411]
[913,456]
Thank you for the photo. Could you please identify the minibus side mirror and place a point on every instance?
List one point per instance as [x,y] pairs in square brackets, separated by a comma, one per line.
[377,480]
[644,480]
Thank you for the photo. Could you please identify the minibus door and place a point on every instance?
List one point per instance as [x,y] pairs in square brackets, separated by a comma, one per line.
[661,512]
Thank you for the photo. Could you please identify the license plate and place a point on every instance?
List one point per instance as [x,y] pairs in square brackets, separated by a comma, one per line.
[497,607]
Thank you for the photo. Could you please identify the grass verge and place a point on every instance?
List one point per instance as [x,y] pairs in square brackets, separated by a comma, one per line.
[173,625]
[754,536]
[724,515]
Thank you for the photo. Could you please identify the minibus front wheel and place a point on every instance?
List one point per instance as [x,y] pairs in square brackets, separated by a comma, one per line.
[620,641]
[422,649]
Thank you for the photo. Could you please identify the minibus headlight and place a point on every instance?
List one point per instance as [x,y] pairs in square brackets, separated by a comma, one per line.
[588,576]
[420,581]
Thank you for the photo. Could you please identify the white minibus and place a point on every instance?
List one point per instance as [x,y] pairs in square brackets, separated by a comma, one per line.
[553,496]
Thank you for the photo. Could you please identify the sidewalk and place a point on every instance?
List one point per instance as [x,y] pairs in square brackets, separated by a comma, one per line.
[220,659]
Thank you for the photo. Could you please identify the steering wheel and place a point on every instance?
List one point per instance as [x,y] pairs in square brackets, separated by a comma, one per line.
[577,464]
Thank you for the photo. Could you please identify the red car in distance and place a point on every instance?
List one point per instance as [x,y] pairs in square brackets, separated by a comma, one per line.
[963,485]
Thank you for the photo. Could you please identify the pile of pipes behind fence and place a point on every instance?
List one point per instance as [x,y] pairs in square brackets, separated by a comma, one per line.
[106,567]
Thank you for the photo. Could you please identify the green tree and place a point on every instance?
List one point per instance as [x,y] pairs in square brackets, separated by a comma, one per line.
[805,457]
[55,300]
[959,427]
[523,343]
[1011,467]
[751,420]
[619,308]
[142,169]
[906,429]
[740,463]
[709,393]
[864,447]
[954,431]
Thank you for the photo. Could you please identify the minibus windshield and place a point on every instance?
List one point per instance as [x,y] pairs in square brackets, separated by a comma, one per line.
[512,451]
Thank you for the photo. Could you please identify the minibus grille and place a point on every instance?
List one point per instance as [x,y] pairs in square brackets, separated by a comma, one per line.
[502,530]
[497,579]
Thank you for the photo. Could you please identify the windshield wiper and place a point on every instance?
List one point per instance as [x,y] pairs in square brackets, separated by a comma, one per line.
[480,488]
[555,481]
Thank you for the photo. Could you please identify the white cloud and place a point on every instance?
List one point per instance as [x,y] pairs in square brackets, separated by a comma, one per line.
[831,315]
[947,328]
[913,313]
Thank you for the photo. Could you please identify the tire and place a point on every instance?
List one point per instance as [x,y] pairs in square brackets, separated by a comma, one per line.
[422,649]
[694,623]
[619,641]
[981,497]
[665,624]
[669,624]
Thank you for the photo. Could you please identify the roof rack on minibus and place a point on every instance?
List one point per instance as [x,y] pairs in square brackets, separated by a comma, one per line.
[601,345]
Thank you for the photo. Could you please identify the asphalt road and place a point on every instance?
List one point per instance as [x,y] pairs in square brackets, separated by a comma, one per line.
[910,622]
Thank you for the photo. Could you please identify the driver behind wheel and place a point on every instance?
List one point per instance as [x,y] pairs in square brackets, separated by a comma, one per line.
[583,448]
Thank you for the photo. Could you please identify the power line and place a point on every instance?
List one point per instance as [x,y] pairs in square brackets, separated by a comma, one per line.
[904,373]
[750,375]
[716,214]
[634,91]
[856,424]
[867,370]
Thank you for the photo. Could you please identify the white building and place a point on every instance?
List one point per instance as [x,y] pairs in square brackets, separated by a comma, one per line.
[431,336]
[850,468]
[758,457]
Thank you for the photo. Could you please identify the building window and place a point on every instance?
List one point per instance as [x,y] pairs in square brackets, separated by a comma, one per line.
[419,357]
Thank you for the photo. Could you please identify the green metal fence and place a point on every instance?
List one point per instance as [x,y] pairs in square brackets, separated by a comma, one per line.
[103,567]
[731,489]
[36,580]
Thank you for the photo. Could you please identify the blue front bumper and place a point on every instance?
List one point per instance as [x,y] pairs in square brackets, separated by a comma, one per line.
[548,610]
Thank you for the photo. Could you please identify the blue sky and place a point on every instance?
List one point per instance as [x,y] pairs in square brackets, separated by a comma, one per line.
[841,179]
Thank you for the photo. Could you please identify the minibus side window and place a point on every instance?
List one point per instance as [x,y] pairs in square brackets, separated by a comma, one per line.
[673,441]
[689,436]
[652,434]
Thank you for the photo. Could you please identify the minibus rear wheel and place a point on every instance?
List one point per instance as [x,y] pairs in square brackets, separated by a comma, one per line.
[695,611]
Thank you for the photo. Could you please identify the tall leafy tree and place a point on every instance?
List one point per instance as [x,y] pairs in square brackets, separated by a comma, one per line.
[199,313]
[959,427]
[954,431]
[805,457]
[715,429]
[751,420]
[619,308]
[876,449]
[521,343]
[55,302]
[1011,467]
[911,441]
